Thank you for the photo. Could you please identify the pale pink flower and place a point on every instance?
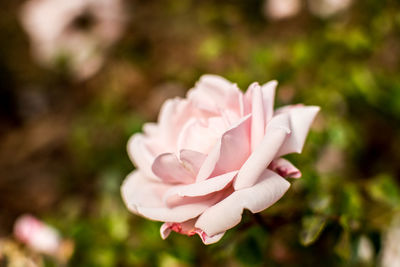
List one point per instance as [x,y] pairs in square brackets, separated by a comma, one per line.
[328,8]
[281,9]
[390,253]
[213,154]
[81,31]
[37,235]
[365,250]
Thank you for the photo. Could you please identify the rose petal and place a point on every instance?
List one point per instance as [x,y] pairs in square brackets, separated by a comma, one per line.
[151,129]
[276,132]
[209,163]
[187,208]
[208,240]
[140,155]
[284,168]
[268,93]
[228,212]
[201,188]
[235,147]
[137,190]
[144,197]
[192,160]
[212,92]
[257,116]
[229,153]
[170,170]
[173,115]
[301,119]
[198,136]
[165,230]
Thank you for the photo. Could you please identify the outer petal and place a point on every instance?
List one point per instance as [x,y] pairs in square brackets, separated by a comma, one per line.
[144,197]
[228,212]
[229,153]
[140,155]
[284,168]
[151,129]
[208,240]
[188,228]
[276,132]
[187,208]
[138,191]
[201,188]
[170,170]
[301,119]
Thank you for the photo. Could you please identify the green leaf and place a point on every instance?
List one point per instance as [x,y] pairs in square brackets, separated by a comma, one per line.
[351,207]
[384,189]
[312,227]
[343,246]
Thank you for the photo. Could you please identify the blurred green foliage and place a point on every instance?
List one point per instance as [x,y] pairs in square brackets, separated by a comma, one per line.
[348,64]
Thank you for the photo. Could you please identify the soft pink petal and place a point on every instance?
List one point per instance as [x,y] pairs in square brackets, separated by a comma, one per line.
[276,132]
[170,170]
[192,160]
[301,119]
[144,197]
[235,147]
[173,115]
[227,213]
[165,230]
[268,92]
[198,136]
[284,168]
[213,93]
[137,190]
[229,153]
[257,116]
[220,124]
[201,188]
[185,209]
[241,100]
[208,240]
[151,129]
[209,163]
[140,155]
[166,117]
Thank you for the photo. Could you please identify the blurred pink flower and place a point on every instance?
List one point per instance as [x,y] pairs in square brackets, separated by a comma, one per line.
[390,253]
[37,235]
[78,31]
[328,8]
[213,154]
[281,9]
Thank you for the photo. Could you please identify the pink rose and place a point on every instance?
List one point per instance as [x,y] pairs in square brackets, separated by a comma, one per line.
[80,30]
[213,154]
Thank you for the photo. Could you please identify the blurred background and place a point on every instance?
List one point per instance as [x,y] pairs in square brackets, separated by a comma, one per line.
[79,77]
